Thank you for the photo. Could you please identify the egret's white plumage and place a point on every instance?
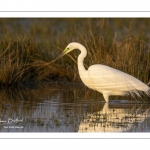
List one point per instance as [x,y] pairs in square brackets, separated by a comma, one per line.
[104,79]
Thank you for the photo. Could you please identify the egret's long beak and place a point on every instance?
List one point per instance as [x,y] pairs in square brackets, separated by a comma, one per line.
[61,55]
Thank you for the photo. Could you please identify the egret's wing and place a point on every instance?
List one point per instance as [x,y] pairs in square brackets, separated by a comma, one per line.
[107,78]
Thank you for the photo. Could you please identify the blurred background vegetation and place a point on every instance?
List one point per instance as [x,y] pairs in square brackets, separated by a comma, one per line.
[27,45]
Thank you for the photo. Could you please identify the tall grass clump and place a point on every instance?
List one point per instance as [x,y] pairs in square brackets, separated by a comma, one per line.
[24,57]
[23,60]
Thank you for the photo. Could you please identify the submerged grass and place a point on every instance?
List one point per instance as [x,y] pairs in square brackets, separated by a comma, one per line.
[27,48]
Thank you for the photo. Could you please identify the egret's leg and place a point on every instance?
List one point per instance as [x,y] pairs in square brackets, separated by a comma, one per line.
[106,97]
[106,109]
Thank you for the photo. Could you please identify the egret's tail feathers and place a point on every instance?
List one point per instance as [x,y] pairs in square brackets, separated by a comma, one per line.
[139,93]
[148,84]
[136,93]
[147,92]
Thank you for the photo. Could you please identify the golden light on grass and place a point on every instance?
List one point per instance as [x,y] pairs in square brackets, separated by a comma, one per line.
[27,50]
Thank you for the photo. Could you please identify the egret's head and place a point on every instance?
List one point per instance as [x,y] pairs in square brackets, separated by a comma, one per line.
[68,49]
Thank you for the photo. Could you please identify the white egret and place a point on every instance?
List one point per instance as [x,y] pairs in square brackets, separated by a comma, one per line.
[104,79]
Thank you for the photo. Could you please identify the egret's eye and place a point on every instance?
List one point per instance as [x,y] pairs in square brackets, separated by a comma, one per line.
[66,50]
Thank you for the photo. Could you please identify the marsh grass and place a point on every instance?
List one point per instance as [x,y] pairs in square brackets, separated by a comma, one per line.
[27,50]
[24,60]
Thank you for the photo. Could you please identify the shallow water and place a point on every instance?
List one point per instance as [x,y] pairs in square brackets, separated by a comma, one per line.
[70,109]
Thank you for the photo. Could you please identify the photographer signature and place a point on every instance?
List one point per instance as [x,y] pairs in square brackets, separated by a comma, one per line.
[10,120]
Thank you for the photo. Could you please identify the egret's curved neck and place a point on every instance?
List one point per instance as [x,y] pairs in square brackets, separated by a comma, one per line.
[81,57]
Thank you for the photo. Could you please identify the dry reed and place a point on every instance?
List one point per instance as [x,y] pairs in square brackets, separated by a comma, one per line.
[113,42]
